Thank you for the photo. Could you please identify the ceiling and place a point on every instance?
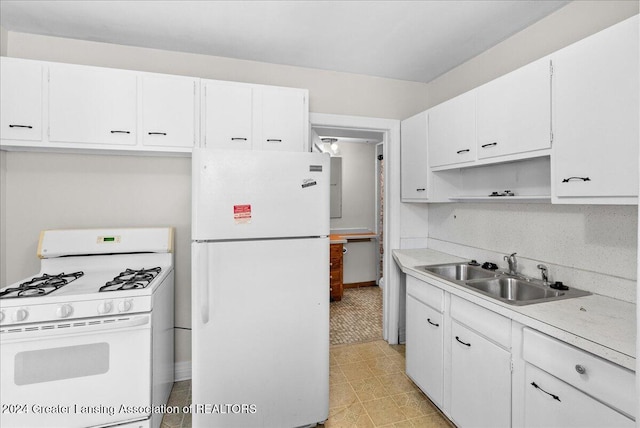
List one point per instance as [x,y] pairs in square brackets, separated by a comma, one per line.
[407,40]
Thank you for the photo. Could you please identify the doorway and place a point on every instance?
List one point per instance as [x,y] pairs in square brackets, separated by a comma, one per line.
[387,134]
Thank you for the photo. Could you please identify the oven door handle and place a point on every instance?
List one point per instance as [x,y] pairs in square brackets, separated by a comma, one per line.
[200,277]
[72,329]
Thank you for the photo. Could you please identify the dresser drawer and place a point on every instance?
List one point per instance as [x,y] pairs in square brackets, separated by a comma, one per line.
[603,380]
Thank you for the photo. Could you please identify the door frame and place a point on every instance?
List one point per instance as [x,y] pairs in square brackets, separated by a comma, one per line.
[390,128]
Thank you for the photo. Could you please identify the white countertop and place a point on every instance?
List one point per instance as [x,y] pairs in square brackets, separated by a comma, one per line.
[598,324]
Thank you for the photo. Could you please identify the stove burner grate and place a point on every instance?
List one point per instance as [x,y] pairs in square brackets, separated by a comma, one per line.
[40,285]
[131,279]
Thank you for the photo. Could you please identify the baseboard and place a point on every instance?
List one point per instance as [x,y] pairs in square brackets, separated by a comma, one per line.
[182,370]
[359,284]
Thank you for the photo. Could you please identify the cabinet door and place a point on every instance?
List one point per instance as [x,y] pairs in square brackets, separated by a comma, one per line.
[424,356]
[413,158]
[168,111]
[92,105]
[21,100]
[595,149]
[480,380]
[452,131]
[550,403]
[228,116]
[514,111]
[283,125]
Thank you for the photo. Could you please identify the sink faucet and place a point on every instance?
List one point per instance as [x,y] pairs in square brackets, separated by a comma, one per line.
[545,273]
[513,263]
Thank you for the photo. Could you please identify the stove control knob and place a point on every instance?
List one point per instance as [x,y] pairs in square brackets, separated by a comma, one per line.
[124,306]
[64,311]
[20,315]
[105,307]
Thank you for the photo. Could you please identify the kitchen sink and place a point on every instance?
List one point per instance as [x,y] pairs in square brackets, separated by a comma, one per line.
[459,271]
[510,289]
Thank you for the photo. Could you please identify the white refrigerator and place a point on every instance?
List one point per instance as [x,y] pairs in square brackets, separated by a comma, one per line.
[260,293]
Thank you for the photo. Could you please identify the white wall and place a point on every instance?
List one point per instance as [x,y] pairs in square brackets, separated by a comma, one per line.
[358,208]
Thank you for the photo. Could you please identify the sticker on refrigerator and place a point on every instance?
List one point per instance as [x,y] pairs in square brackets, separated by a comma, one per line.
[242,214]
[308,182]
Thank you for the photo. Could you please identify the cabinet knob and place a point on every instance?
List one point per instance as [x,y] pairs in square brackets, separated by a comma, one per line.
[238,139]
[273,140]
[120,132]
[157,133]
[484,146]
[463,151]
[21,126]
[421,190]
[433,323]
[580,369]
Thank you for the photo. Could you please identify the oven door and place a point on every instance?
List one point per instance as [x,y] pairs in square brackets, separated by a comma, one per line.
[84,373]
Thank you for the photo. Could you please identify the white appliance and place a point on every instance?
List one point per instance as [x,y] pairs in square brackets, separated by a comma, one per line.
[260,272]
[88,341]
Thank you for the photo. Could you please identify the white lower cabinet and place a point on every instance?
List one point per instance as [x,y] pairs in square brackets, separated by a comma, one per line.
[424,351]
[568,387]
[480,380]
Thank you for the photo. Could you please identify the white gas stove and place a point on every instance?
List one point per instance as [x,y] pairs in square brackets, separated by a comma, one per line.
[96,323]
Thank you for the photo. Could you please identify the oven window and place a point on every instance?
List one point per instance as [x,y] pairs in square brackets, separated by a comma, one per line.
[46,365]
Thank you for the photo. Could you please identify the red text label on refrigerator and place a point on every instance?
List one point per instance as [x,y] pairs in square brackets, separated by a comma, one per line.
[242,214]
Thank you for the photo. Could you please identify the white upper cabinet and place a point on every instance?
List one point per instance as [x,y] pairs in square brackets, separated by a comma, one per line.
[90,105]
[452,131]
[168,111]
[514,112]
[413,157]
[284,119]
[20,99]
[595,150]
[254,117]
[228,115]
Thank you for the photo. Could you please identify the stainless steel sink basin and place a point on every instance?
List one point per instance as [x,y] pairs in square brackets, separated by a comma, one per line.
[498,285]
[459,272]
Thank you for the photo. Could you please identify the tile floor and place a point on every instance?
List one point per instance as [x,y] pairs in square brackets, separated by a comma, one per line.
[367,388]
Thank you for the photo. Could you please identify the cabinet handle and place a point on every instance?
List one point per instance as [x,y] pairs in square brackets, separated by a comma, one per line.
[566,180]
[555,397]
[157,133]
[466,344]
[21,126]
[273,140]
[238,139]
[580,369]
[120,132]
[484,146]
[421,190]
[432,323]
[463,151]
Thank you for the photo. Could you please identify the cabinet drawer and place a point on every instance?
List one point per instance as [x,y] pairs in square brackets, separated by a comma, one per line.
[488,323]
[425,293]
[601,379]
[571,408]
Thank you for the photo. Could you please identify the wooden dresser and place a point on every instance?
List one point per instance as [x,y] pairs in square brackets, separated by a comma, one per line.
[335,274]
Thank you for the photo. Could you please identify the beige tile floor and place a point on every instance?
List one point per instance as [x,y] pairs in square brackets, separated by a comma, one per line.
[367,388]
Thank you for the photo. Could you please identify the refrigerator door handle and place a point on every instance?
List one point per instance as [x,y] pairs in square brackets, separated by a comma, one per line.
[201,278]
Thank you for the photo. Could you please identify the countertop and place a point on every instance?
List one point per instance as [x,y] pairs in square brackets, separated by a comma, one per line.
[343,238]
[598,324]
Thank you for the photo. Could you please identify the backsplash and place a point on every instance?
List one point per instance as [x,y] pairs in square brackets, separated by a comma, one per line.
[590,247]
